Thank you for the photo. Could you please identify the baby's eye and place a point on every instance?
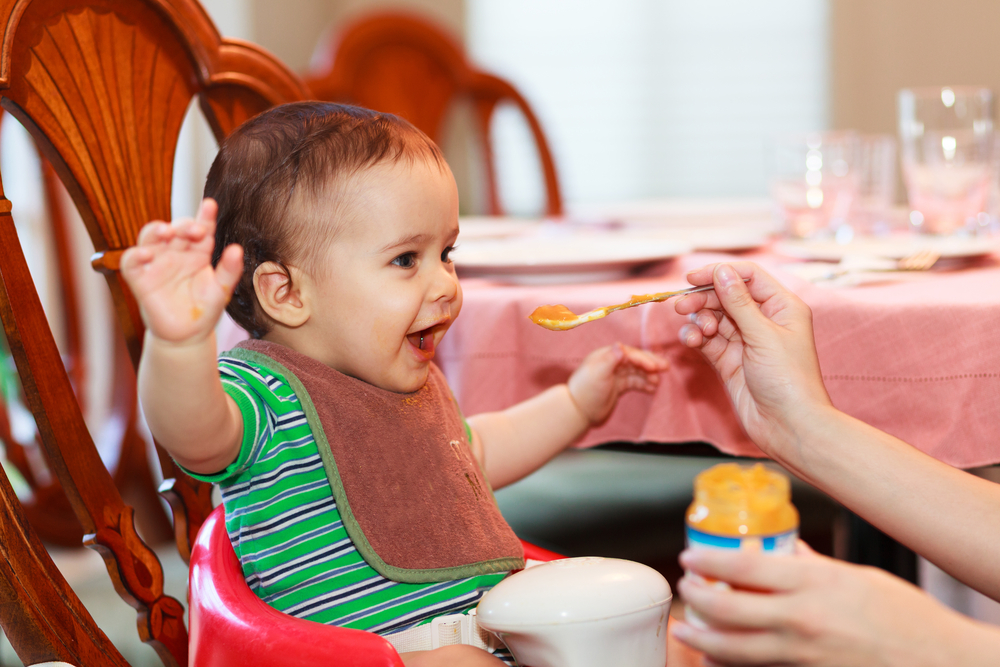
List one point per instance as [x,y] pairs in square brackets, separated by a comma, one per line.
[446,255]
[407,260]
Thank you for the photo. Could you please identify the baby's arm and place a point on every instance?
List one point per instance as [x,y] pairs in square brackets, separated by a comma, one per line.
[181,298]
[515,442]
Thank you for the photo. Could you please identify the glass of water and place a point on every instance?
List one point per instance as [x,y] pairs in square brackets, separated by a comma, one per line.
[814,181]
[947,153]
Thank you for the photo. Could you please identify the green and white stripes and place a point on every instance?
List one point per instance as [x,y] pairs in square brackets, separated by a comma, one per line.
[287,532]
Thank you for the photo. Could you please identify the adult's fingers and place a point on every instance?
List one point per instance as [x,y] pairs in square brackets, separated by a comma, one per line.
[734,648]
[762,286]
[725,607]
[747,569]
[739,304]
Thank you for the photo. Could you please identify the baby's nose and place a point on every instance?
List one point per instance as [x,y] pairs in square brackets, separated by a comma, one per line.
[445,284]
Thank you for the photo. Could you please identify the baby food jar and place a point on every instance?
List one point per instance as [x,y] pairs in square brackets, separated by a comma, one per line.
[741,507]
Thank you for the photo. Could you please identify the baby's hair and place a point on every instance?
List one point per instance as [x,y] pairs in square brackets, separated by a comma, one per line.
[274,165]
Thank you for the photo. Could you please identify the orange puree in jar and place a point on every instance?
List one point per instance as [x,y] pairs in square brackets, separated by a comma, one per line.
[742,501]
[741,508]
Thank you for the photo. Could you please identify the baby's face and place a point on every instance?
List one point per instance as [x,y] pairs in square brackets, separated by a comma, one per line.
[388,291]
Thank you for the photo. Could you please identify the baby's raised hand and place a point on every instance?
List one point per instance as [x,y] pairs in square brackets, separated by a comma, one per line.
[170,273]
[607,373]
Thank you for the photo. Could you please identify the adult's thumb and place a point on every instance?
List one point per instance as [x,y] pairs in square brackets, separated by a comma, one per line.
[736,300]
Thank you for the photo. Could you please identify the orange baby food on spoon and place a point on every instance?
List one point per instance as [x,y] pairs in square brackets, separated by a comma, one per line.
[561,318]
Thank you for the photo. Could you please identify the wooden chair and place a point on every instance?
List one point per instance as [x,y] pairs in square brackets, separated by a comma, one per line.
[103,86]
[407,66]
[49,509]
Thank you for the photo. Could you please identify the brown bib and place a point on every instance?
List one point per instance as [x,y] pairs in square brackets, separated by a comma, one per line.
[411,494]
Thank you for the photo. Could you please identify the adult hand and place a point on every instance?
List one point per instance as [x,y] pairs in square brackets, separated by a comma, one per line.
[759,338]
[807,609]
[170,272]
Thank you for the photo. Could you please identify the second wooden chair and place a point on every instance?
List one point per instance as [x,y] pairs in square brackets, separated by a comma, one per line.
[406,65]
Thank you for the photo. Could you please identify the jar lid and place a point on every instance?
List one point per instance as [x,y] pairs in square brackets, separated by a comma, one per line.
[572,590]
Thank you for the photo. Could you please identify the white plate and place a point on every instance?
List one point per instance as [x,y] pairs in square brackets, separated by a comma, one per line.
[708,224]
[495,227]
[679,209]
[704,233]
[892,247]
[563,255]
[709,238]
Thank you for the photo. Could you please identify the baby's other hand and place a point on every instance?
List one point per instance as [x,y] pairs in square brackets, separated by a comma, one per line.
[607,373]
[170,272]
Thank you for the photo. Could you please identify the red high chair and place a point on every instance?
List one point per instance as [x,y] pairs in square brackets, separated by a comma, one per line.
[231,627]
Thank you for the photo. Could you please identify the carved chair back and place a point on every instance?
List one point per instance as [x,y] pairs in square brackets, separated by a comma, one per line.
[103,86]
[47,507]
[408,66]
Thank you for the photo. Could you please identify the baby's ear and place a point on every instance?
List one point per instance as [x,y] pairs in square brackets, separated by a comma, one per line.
[279,295]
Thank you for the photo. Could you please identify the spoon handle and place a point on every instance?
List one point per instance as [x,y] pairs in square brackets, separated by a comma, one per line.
[661,296]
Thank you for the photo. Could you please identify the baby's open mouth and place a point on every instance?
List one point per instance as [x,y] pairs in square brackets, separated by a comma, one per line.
[422,340]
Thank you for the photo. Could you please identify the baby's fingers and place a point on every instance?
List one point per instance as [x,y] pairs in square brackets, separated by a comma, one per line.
[155,232]
[230,268]
[134,259]
[647,361]
[203,224]
[208,212]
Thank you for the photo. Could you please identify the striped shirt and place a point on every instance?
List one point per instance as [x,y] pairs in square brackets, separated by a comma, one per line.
[288,534]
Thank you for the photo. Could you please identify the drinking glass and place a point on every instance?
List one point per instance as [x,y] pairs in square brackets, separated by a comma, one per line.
[814,181]
[876,171]
[948,145]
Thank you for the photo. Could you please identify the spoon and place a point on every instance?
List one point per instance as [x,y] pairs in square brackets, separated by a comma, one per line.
[561,318]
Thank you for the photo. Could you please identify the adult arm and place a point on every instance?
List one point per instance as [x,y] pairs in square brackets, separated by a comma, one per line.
[181,298]
[759,338]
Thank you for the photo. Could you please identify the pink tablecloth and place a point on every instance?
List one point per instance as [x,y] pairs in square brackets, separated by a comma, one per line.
[919,359]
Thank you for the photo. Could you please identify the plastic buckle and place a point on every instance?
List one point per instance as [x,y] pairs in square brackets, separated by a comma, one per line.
[453,629]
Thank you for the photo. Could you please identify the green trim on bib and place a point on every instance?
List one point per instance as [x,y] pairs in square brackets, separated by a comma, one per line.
[351,525]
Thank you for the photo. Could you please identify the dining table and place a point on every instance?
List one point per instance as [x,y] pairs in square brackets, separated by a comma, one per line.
[915,354]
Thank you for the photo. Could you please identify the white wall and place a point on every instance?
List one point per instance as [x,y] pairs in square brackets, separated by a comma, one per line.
[645,98]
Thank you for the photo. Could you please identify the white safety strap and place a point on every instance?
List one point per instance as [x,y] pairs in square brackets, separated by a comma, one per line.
[448,630]
[445,631]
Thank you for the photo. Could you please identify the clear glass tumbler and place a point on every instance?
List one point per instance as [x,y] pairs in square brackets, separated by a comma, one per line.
[873,212]
[814,181]
[947,149]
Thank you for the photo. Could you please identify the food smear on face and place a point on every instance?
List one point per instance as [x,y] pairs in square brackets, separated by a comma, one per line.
[196,312]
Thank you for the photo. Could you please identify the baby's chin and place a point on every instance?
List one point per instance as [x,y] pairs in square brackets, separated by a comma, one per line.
[404,383]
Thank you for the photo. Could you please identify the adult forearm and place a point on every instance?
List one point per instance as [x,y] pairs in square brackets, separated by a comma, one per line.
[522,438]
[185,406]
[941,512]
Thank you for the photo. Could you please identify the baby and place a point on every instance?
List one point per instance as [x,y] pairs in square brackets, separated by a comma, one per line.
[355,492]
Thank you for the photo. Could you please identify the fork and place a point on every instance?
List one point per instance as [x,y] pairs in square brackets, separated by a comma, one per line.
[922,260]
